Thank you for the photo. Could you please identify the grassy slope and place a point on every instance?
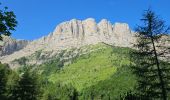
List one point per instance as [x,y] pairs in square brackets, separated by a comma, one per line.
[90,69]
[100,70]
[117,85]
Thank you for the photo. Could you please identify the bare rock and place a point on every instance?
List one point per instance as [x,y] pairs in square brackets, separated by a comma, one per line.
[73,34]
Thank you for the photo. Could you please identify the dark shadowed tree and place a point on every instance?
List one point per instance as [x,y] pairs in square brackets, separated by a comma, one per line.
[4,72]
[153,75]
[27,87]
[59,91]
[7,22]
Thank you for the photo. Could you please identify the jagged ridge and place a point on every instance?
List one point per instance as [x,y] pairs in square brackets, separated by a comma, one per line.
[77,33]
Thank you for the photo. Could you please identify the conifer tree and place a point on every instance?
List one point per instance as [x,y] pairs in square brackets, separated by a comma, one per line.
[153,75]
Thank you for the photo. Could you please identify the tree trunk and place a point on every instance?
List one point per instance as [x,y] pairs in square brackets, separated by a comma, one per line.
[159,71]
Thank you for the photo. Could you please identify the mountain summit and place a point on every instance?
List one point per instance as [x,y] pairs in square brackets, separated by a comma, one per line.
[74,34]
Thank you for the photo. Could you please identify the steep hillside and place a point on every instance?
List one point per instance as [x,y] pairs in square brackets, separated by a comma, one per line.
[91,68]
[99,71]
[104,67]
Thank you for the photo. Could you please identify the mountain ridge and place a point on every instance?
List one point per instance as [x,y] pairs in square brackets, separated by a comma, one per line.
[75,34]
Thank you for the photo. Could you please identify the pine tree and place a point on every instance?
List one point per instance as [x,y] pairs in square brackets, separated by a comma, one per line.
[153,75]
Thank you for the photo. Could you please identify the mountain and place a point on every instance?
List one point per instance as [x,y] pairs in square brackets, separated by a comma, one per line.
[87,58]
[68,35]
[75,34]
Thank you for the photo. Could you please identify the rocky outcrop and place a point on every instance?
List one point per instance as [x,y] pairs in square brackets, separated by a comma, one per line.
[9,45]
[74,34]
[78,33]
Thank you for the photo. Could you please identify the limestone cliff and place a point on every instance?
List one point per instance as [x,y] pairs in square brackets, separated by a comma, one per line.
[72,34]
[9,45]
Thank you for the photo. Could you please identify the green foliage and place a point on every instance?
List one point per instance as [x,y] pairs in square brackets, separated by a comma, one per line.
[89,69]
[152,75]
[38,54]
[59,92]
[7,21]
[104,71]
[4,72]
[11,85]
[115,86]
[26,87]
[103,74]
[21,61]
[50,67]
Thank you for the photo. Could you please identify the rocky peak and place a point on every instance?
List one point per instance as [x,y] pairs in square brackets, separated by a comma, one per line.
[121,28]
[74,34]
[89,26]
[76,28]
[105,27]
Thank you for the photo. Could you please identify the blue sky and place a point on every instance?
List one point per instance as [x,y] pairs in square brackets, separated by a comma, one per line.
[37,18]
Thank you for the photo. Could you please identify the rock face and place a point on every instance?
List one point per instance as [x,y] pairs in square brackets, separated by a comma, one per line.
[72,34]
[78,33]
[10,45]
